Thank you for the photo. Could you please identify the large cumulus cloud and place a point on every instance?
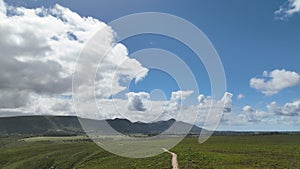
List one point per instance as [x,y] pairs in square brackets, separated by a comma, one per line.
[275,81]
[39,48]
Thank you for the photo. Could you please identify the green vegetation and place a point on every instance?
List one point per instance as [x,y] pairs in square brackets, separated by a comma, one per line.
[70,126]
[41,125]
[269,151]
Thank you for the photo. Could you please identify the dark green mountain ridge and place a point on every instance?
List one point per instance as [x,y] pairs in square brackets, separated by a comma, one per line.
[70,125]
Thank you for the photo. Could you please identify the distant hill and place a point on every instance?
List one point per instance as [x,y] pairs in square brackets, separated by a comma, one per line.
[70,125]
[41,125]
[127,127]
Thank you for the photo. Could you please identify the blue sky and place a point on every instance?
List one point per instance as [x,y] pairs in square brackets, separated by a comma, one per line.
[246,34]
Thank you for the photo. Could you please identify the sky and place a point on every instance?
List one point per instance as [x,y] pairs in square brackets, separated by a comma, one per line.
[257,42]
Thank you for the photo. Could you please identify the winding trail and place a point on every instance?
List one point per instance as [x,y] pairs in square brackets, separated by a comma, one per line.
[174,158]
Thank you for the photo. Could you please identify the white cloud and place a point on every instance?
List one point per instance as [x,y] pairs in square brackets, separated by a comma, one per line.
[292,121]
[206,103]
[37,104]
[275,114]
[288,9]
[273,82]
[180,95]
[247,109]
[2,8]
[50,105]
[118,108]
[39,48]
[210,111]
[292,108]
[206,113]
[172,108]
[136,101]
[201,99]
[289,109]
[139,107]
[240,96]
[227,100]
[248,116]
[154,110]
[253,116]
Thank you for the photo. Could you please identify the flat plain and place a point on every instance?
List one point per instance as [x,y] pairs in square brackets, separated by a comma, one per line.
[258,151]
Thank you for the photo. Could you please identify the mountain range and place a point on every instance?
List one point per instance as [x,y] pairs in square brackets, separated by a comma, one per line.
[71,125]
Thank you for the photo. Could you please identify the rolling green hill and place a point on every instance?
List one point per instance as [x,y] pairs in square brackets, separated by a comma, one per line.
[40,125]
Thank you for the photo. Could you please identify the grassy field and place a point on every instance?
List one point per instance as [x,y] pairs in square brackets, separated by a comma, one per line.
[273,151]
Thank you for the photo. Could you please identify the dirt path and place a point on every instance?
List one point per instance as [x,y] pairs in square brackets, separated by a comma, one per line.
[174,158]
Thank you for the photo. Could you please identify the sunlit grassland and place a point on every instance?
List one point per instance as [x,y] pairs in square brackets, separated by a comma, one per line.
[271,151]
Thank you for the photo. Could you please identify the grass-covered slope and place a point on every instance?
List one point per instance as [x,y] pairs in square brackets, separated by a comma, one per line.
[40,125]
